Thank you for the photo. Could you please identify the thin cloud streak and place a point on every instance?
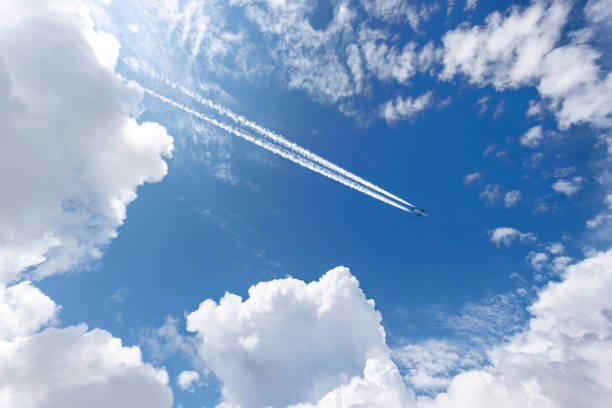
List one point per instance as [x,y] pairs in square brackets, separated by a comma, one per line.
[262,131]
[302,161]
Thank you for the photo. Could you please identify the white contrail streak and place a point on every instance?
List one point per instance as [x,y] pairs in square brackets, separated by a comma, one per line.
[241,120]
[279,151]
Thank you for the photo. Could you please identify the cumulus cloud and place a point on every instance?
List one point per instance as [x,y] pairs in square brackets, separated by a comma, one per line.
[555,248]
[519,48]
[561,360]
[511,198]
[74,367]
[568,187]
[471,178]
[500,54]
[405,108]
[380,386]
[538,260]
[560,263]
[507,236]
[290,342]
[24,309]
[68,195]
[68,367]
[186,379]
[73,155]
[532,137]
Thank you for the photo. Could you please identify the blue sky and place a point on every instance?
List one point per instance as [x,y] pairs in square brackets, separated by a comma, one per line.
[129,213]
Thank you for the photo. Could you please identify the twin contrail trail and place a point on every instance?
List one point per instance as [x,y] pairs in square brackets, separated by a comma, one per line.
[277,144]
[284,142]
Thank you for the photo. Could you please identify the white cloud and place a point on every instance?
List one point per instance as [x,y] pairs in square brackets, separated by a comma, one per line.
[555,248]
[507,236]
[518,48]
[538,260]
[508,49]
[380,386]
[73,367]
[491,194]
[488,150]
[387,62]
[408,108]
[69,367]
[511,198]
[599,12]
[73,157]
[568,187]
[23,310]
[431,364]
[395,11]
[535,108]
[186,379]
[489,320]
[560,263]
[608,201]
[562,359]
[68,195]
[292,342]
[598,220]
[532,137]
[470,4]
[471,178]
[120,295]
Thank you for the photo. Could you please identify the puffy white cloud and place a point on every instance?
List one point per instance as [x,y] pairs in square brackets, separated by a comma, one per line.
[511,198]
[471,178]
[508,49]
[560,359]
[290,342]
[532,137]
[560,263]
[74,154]
[23,310]
[380,386]
[518,48]
[186,379]
[507,235]
[73,367]
[69,367]
[73,157]
[555,248]
[563,359]
[538,260]
[405,108]
[568,187]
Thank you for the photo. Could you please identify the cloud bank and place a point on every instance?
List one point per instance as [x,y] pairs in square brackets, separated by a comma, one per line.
[74,152]
[321,345]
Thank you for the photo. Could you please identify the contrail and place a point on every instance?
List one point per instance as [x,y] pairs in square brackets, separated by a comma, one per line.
[277,150]
[239,119]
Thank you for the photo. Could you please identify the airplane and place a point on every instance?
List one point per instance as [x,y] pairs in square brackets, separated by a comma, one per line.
[420,213]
